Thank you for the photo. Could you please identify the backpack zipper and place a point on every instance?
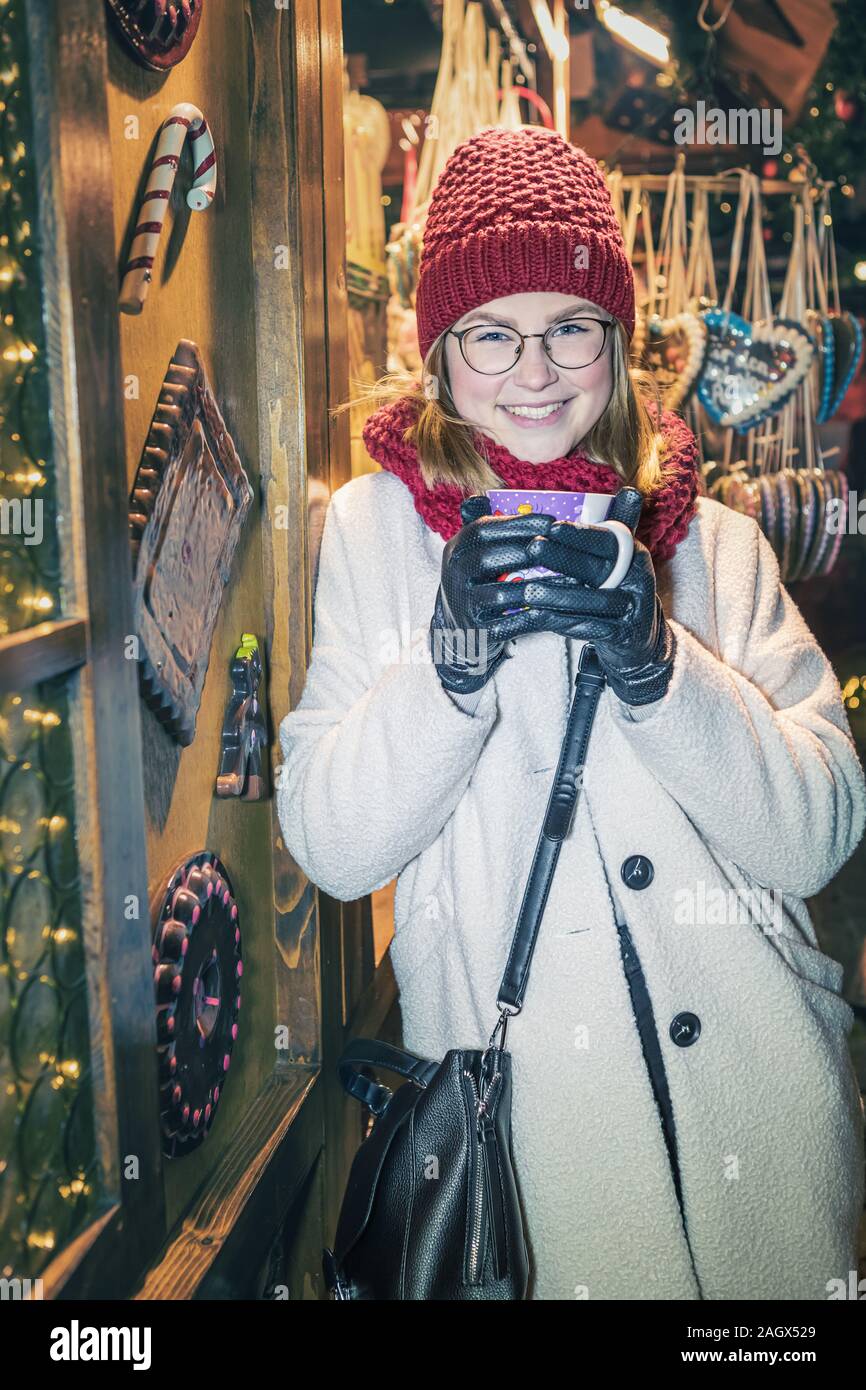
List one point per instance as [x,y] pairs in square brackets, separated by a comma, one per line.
[485,1188]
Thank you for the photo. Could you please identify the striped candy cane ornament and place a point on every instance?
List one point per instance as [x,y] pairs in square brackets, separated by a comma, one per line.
[184,122]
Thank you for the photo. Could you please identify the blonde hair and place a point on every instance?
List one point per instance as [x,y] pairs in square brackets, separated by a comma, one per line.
[625,437]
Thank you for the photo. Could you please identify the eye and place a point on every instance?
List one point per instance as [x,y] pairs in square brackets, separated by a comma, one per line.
[490,335]
[572,329]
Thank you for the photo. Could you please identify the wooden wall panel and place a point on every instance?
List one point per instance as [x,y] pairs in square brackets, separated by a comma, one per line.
[203,289]
[279,280]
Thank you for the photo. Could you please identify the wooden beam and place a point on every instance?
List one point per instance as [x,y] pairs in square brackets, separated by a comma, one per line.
[225,1236]
[35,654]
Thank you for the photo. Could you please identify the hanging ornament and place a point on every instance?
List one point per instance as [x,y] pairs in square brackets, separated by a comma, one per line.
[824,363]
[159,33]
[750,371]
[197,975]
[185,123]
[189,500]
[847,338]
[839,333]
[675,354]
[845,106]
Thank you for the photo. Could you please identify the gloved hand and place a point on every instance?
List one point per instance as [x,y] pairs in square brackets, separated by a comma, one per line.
[469,627]
[627,626]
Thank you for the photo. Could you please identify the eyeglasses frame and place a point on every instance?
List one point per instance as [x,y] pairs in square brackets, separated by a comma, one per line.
[460,334]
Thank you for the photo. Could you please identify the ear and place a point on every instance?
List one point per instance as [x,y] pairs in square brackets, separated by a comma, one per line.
[626,507]
[471,508]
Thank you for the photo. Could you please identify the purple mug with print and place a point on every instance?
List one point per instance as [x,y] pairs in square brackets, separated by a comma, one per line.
[580,508]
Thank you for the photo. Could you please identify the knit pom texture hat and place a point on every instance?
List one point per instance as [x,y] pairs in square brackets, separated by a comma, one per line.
[515,211]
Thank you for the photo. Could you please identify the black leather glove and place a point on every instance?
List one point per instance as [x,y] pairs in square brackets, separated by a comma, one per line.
[471,620]
[627,626]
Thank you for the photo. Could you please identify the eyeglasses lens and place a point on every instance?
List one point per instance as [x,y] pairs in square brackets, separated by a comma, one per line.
[574,343]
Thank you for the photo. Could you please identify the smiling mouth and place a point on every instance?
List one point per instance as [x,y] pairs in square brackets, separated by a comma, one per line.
[534,412]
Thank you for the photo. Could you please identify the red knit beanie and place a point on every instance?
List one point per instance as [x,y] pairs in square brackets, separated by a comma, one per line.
[513,211]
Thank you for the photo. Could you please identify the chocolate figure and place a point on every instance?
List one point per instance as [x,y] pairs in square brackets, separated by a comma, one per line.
[245,733]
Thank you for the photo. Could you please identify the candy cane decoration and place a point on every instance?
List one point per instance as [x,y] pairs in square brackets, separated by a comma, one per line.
[184,122]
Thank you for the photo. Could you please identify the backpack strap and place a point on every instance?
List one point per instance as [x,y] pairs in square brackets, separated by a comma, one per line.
[369,1052]
[561,806]
[558,819]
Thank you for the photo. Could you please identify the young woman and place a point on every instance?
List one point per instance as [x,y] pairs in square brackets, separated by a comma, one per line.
[686,1119]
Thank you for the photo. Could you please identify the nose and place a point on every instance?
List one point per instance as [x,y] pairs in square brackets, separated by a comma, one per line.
[534,369]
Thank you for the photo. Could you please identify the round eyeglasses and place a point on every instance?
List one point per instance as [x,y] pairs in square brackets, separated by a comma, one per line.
[492,348]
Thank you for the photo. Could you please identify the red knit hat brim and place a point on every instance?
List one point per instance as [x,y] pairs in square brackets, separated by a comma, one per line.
[550,257]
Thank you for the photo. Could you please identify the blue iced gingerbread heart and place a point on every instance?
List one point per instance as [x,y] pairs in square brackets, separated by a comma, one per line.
[750,371]
[843,340]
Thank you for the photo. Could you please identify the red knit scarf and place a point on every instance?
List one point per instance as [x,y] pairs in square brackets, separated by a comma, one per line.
[665,516]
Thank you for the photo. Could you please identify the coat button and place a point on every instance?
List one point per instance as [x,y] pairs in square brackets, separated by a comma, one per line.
[637,871]
[685,1029]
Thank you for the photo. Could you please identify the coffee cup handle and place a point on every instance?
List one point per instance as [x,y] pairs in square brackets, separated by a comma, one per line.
[625,540]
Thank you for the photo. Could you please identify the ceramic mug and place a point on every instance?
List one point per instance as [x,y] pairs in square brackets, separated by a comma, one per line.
[580,508]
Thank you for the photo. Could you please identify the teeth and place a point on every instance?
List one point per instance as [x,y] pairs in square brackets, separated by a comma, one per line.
[533,412]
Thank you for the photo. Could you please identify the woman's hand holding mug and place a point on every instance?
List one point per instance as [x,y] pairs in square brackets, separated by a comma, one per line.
[626,624]
[601,589]
[475,614]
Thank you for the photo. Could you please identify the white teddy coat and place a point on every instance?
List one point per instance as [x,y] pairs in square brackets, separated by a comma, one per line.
[742,777]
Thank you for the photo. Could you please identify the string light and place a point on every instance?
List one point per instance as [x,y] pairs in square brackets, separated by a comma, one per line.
[634,33]
[54,1069]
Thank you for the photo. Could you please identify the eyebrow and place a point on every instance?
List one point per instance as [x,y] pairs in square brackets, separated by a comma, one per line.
[570,313]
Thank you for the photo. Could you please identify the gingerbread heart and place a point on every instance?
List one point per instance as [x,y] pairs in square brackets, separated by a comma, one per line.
[750,371]
[846,337]
[820,329]
[674,352]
